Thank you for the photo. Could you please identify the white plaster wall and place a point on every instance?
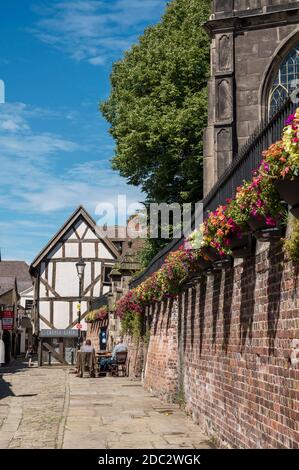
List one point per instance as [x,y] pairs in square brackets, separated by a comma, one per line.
[67,280]
[44,309]
[104,253]
[97,268]
[61,314]
[88,250]
[42,290]
[90,235]
[71,250]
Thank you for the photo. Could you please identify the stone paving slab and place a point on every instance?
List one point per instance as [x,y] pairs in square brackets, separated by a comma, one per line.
[46,408]
[130,418]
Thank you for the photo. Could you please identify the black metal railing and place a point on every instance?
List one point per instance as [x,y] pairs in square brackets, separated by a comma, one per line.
[241,168]
[248,159]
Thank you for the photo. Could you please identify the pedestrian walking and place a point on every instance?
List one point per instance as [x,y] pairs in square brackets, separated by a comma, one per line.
[29,355]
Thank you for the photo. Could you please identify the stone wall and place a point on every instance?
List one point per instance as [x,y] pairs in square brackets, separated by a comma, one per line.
[246,51]
[223,8]
[231,344]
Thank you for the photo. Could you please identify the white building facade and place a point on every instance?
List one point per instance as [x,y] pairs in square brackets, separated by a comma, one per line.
[56,284]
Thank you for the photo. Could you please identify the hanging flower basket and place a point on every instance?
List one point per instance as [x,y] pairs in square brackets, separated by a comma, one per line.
[264,229]
[289,192]
[241,245]
[204,264]
[201,262]
[211,253]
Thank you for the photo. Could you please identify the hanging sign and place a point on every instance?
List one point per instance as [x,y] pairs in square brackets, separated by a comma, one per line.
[79,326]
[7,319]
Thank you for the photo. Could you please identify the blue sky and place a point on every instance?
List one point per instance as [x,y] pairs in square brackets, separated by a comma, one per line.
[55,60]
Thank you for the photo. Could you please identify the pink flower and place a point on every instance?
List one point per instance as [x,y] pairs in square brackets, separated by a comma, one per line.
[259,203]
[270,221]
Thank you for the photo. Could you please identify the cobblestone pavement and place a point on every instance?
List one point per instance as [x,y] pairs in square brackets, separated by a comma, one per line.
[52,408]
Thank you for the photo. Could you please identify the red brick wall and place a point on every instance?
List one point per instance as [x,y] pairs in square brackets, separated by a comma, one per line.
[135,359]
[161,371]
[93,330]
[231,343]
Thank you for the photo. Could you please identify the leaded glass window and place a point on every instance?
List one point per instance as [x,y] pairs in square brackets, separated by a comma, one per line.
[285,82]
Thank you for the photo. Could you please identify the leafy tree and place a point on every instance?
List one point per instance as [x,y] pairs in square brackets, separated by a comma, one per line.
[158,109]
[158,105]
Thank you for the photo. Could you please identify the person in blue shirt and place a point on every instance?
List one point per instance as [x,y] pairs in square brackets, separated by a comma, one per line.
[119,347]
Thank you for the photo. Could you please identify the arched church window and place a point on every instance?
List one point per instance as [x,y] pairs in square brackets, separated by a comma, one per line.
[287,79]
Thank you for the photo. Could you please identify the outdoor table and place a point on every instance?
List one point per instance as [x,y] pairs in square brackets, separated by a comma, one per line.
[104,354]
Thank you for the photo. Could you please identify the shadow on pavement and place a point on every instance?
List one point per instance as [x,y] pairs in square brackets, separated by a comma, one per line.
[14,368]
[5,388]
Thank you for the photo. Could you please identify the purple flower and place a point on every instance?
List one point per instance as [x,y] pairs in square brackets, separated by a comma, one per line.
[290,119]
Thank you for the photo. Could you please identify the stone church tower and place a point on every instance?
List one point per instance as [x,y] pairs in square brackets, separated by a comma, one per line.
[254,67]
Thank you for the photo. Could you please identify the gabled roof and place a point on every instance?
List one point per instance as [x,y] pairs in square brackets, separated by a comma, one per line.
[26,291]
[80,212]
[7,284]
[18,270]
[129,261]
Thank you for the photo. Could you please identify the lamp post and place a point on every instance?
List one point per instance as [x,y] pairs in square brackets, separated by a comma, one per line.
[80,271]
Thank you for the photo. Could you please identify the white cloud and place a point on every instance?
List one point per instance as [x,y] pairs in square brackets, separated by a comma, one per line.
[95,30]
[17,138]
[98,60]
[42,181]
[30,181]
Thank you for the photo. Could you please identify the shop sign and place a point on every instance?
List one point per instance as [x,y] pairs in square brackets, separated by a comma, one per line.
[7,317]
[68,333]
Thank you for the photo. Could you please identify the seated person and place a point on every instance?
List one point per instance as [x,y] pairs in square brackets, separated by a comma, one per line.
[119,347]
[87,347]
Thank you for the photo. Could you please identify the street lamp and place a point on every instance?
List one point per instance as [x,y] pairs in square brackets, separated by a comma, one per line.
[80,266]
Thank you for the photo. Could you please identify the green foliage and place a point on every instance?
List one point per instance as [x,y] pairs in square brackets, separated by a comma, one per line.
[158,105]
[151,247]
[131,324]
[291,244]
